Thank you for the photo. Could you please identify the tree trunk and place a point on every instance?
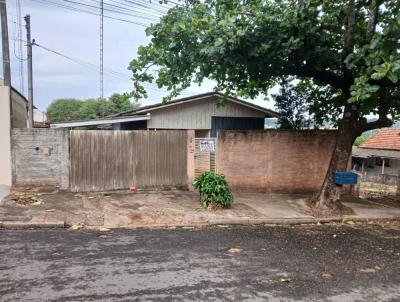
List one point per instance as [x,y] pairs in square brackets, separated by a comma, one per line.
[327,201]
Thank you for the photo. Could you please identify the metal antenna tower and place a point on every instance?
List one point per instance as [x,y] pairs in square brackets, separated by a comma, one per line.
[101,48]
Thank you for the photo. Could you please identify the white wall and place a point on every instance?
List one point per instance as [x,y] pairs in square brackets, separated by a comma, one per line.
[5,140]
[393,169]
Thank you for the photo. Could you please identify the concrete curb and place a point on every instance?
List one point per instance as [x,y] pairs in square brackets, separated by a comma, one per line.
[229,222]
[31,224]
[267,221]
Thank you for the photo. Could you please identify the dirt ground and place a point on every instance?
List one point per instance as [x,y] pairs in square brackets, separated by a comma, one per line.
[126,209]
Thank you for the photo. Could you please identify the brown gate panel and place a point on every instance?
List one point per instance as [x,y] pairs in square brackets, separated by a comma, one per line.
[161,158]
[112,160]
[101,160]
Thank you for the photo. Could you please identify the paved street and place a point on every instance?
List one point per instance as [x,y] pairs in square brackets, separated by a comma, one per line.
[301,263]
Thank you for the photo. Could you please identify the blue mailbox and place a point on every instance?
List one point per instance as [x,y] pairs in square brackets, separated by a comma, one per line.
[345,178]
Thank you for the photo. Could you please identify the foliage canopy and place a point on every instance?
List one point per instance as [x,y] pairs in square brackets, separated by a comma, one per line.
[348,51]
[62,110]
[351,48]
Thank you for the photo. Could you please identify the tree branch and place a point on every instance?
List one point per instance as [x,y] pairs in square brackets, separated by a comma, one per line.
[379,123]
[383,83]
[373,19]
[324,76]
[348,36]
[383,111]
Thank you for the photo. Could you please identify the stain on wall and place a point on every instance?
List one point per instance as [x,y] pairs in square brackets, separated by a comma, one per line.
[275,160]
[40,157]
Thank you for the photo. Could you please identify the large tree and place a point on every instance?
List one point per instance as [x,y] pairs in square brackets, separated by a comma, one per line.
[62,110]
[246,46]
[298,105]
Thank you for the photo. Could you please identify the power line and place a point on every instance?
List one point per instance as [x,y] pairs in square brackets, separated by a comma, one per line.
[143,6]
[94,67]
[121,8]
[54,4]
[109,10]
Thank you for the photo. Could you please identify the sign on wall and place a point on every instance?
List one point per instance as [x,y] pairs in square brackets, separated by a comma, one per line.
[207,145]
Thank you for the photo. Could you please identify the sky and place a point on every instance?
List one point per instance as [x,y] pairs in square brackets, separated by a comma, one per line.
[76,35]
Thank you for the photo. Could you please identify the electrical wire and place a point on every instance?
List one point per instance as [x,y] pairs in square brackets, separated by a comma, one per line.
[107,71]
[54,4]
[146,6]
[102,49]
[122,7]
[109,10]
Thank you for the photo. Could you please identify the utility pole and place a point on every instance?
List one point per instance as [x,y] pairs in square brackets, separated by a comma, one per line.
[5,43]
[101,48]
[6,122]
[6,54]
[30,81]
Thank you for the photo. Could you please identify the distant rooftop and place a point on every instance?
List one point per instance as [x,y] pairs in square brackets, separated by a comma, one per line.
[386,138]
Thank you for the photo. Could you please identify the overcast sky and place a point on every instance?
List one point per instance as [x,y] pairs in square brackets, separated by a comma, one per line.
[76,34]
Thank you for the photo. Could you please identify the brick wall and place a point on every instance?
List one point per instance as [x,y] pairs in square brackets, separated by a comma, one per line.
[275,160]
[40,157]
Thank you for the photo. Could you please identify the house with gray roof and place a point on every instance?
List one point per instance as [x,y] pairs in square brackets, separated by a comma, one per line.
[203,113]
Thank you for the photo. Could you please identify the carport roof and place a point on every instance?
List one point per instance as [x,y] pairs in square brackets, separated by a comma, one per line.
[369,152]
[102,121]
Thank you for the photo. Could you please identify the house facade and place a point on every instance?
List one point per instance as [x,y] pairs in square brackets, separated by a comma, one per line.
[202,113]
[378,158]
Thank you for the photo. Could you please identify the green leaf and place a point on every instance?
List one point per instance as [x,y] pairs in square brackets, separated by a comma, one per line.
[392,77]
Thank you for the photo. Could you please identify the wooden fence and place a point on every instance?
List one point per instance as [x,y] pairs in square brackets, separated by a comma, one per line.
[112,160]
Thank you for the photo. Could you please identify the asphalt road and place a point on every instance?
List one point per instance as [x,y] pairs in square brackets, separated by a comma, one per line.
[320,263]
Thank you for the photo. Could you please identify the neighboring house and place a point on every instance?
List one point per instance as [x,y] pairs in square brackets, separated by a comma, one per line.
[201,113]
[378,158]
[19,108]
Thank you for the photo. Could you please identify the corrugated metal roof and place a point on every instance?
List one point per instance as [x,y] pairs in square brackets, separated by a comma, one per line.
[199,97]
[370,152]
[101,121]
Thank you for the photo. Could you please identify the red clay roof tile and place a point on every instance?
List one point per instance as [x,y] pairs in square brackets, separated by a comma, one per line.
[386,138]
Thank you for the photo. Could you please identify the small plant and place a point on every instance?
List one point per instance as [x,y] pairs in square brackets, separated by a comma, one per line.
[213,189]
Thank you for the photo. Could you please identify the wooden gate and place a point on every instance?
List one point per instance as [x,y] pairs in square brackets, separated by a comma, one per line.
[112,160]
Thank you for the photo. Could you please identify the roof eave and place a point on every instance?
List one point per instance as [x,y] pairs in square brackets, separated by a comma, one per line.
[101,121]
[267,112]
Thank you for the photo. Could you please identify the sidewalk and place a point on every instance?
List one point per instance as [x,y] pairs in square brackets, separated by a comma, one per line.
[167,209]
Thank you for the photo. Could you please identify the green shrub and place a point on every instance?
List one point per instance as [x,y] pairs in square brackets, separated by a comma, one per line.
[213,189]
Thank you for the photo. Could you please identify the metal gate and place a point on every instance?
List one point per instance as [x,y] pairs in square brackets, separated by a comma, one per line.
[112,160]
[205,155]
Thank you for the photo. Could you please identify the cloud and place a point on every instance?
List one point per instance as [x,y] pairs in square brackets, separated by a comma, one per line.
[76,35]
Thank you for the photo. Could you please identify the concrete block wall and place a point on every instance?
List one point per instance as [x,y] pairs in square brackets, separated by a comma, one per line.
[275,160]
[40,157]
